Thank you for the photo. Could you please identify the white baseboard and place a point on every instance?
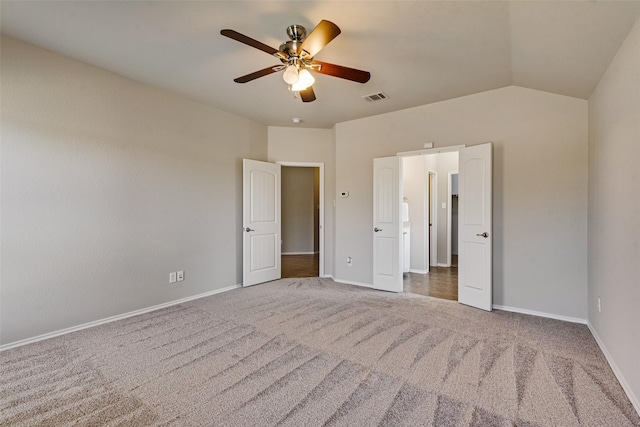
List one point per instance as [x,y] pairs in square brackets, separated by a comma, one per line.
[443,264]
[540,314]
[298,253]
[625,385]
[350,282]
[419,271]
[112,319]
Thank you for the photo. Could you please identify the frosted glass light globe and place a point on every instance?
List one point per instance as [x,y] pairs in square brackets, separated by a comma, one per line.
[290,75]
[305,78]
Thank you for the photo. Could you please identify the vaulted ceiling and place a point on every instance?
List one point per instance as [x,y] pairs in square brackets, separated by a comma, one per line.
[418,52]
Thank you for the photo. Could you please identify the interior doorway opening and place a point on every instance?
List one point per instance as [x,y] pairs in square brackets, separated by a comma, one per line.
[302,240]
[390,183]
[430,190]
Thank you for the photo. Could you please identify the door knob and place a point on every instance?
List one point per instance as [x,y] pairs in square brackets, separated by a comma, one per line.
[249,229]
[485,235]
[377,229]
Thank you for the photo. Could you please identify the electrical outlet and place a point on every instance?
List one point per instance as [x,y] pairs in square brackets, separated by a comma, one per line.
[180,276]
[599,306]
[349,261]
[172,277]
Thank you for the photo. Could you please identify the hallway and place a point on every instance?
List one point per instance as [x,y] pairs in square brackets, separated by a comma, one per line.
[300,265]
[441,282]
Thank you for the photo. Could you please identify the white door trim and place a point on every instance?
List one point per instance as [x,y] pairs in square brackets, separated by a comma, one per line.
[433,203]
[449,197]
[321,210]
[427,151]
[425,220]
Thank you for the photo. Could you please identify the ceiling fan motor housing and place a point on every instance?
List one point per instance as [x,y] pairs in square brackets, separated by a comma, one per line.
[297,34]
[290,48]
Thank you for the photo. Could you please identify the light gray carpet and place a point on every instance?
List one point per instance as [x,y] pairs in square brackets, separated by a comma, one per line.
[307,352]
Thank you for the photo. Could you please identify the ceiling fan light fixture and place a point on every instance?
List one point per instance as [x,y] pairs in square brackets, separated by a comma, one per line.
[290,75]
[298,87]
[305,78]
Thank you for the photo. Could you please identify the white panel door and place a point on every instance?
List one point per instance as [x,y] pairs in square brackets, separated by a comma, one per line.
[261,222]
[387,224]
[475,227]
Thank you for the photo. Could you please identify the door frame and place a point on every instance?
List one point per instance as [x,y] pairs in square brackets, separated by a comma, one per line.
[432,202]
[433,219]
[431,198]
[321,230]
[449,217]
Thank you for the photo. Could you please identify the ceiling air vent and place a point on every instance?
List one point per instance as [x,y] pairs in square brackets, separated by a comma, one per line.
[379,96]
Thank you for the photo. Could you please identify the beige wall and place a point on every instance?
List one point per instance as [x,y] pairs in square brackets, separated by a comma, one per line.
[298,210]
[614,213]
[540,188]
[107,186]
[315,146]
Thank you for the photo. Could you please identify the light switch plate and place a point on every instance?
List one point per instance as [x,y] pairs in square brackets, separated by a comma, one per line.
[180,276]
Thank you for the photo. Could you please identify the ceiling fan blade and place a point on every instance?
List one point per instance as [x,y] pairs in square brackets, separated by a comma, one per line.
[259,73]
[307,95]
[340,71]
[251,42]
[321,35]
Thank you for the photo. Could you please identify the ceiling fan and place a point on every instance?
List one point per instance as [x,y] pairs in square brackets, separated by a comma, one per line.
[296,56]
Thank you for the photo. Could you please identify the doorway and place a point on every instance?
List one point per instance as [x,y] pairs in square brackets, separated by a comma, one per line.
[429,182]
[302,238]
[475,166]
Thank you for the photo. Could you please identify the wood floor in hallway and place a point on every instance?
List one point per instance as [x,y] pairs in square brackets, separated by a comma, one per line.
[300,265]
[441,282]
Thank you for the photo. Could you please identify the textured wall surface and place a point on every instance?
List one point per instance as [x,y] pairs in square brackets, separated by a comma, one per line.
[614,211]
[109,185]
[539,187]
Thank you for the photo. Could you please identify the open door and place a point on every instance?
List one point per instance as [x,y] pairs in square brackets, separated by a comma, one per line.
[387,224]
[475,226]
[261,222]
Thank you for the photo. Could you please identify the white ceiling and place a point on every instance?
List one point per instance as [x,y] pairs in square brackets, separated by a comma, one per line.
[418,52]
